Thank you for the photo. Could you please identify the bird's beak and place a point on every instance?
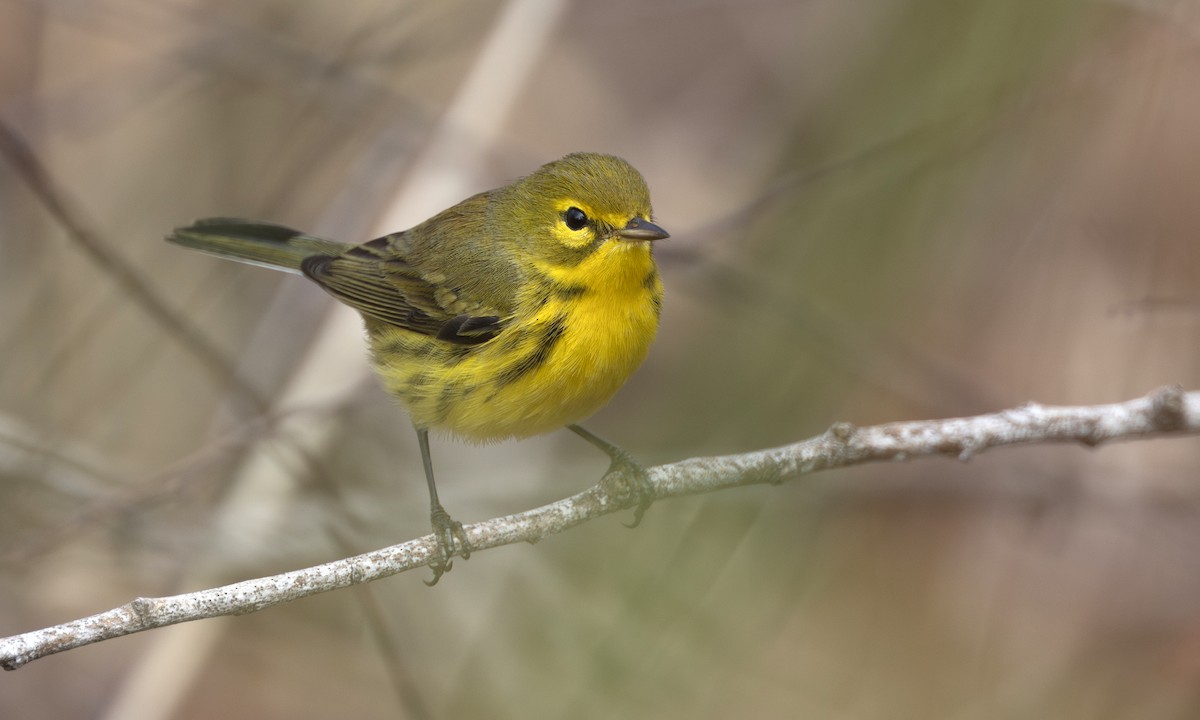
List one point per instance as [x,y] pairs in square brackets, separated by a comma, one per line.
[639,229]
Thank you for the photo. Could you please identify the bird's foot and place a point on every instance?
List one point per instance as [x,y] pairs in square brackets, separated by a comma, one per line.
[445,531]
[637,483]
[636,479]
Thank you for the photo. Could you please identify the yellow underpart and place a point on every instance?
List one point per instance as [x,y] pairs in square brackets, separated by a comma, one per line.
[561,357]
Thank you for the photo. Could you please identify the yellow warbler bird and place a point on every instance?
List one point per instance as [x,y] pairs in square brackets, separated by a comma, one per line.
[515,312]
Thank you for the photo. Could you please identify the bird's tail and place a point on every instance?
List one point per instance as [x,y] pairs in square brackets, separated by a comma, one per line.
[253,242]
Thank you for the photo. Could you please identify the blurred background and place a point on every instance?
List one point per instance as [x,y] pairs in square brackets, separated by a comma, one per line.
[883,210]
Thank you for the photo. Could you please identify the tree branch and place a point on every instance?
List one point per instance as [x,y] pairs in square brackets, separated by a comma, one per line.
[1167,411]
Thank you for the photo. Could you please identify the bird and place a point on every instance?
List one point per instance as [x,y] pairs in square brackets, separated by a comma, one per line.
[518,311]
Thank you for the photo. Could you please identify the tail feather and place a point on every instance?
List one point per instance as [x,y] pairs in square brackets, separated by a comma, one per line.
[257,243]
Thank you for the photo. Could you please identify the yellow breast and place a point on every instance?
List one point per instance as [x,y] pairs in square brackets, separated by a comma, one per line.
[575,338]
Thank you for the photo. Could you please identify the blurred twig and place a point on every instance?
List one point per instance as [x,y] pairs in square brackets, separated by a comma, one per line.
[101,253]
[66,468]
[1165,412]
[928,380]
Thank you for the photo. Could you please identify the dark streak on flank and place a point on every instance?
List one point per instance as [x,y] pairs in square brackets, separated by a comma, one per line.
[414,384]
[456,353]
[418,380]
[650,283]
[448,394]
[550,336]
[396,346]
[651,280]
[563,291]
[542,298]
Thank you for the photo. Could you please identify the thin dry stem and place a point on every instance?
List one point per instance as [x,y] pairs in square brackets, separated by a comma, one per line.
[1167,411]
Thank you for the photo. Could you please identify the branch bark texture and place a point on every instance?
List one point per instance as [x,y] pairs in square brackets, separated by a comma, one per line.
[1167,411]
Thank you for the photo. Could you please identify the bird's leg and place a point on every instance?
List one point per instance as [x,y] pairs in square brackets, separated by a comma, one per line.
[445,529]
[638,479]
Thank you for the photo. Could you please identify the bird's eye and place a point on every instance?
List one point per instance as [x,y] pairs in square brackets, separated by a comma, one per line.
[575,218]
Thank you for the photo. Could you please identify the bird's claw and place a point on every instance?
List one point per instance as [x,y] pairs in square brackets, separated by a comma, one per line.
[634,476]
[637,483]
[445,531]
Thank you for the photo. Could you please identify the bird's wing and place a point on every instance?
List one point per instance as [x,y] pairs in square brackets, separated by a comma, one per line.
[378,280]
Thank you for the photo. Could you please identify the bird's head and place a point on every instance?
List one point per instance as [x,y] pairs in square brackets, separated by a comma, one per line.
[583,204]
